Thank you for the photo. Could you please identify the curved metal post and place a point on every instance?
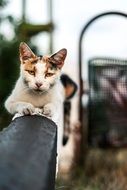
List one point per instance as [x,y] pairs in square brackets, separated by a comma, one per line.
[84,30]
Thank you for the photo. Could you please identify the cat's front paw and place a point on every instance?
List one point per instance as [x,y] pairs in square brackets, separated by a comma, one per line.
[48,110]
[26,109]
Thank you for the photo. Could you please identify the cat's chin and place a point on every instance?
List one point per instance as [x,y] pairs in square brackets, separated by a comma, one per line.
[38,91]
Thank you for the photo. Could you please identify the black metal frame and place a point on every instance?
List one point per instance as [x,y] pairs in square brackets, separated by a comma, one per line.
[80,52]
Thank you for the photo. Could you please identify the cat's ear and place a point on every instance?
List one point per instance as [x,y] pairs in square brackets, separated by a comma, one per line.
[58,58]
[25,52]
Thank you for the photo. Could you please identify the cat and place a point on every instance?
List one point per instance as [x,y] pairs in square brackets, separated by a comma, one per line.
[42,89]
[38,88]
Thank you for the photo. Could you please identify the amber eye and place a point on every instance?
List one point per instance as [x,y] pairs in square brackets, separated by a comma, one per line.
[49,74]
[31,72]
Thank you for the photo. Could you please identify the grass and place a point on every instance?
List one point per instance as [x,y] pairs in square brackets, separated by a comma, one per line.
[103,170]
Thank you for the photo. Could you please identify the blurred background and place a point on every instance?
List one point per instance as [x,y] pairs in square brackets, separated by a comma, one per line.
[96,61]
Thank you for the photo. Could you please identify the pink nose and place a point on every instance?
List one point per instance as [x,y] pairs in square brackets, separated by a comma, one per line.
[38,84]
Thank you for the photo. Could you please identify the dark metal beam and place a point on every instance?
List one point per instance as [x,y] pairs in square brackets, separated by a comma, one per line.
[28,154]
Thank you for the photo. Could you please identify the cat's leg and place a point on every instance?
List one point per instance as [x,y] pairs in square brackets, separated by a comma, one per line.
[23,108]
[48,110]
[52,111]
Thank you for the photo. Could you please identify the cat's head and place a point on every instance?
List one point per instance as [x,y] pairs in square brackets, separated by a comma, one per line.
[40,73]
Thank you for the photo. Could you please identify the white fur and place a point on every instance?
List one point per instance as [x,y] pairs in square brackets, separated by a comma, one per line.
[24,95]
[24,100]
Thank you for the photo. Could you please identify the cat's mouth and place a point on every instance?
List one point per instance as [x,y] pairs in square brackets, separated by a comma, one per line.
[39,91]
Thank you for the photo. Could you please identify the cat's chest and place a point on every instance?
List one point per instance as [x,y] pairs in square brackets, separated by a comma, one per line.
[37,100]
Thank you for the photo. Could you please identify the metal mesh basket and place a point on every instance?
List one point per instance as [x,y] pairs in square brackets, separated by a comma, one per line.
[107,102]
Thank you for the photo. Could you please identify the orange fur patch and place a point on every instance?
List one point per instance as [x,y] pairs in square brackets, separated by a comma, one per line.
[30,63]
[29,66]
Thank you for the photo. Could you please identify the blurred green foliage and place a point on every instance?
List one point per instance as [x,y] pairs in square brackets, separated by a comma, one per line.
[9,61]
[8,64]
[2,3]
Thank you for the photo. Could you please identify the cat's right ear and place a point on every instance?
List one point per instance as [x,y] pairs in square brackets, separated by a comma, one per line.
[25,52]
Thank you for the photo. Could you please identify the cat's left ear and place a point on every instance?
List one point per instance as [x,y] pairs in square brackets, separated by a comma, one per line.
[25,52]
[58,58]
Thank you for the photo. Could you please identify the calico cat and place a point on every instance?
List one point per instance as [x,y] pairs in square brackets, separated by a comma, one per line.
[38,89]
[41,89]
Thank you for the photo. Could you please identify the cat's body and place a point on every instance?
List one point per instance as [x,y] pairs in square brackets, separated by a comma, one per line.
[38,89]
[25,101]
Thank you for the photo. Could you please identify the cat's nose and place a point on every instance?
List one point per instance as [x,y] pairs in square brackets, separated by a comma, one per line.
[38,84]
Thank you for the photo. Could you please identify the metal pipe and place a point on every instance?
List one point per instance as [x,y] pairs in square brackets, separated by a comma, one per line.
[50,13]
[23,10]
